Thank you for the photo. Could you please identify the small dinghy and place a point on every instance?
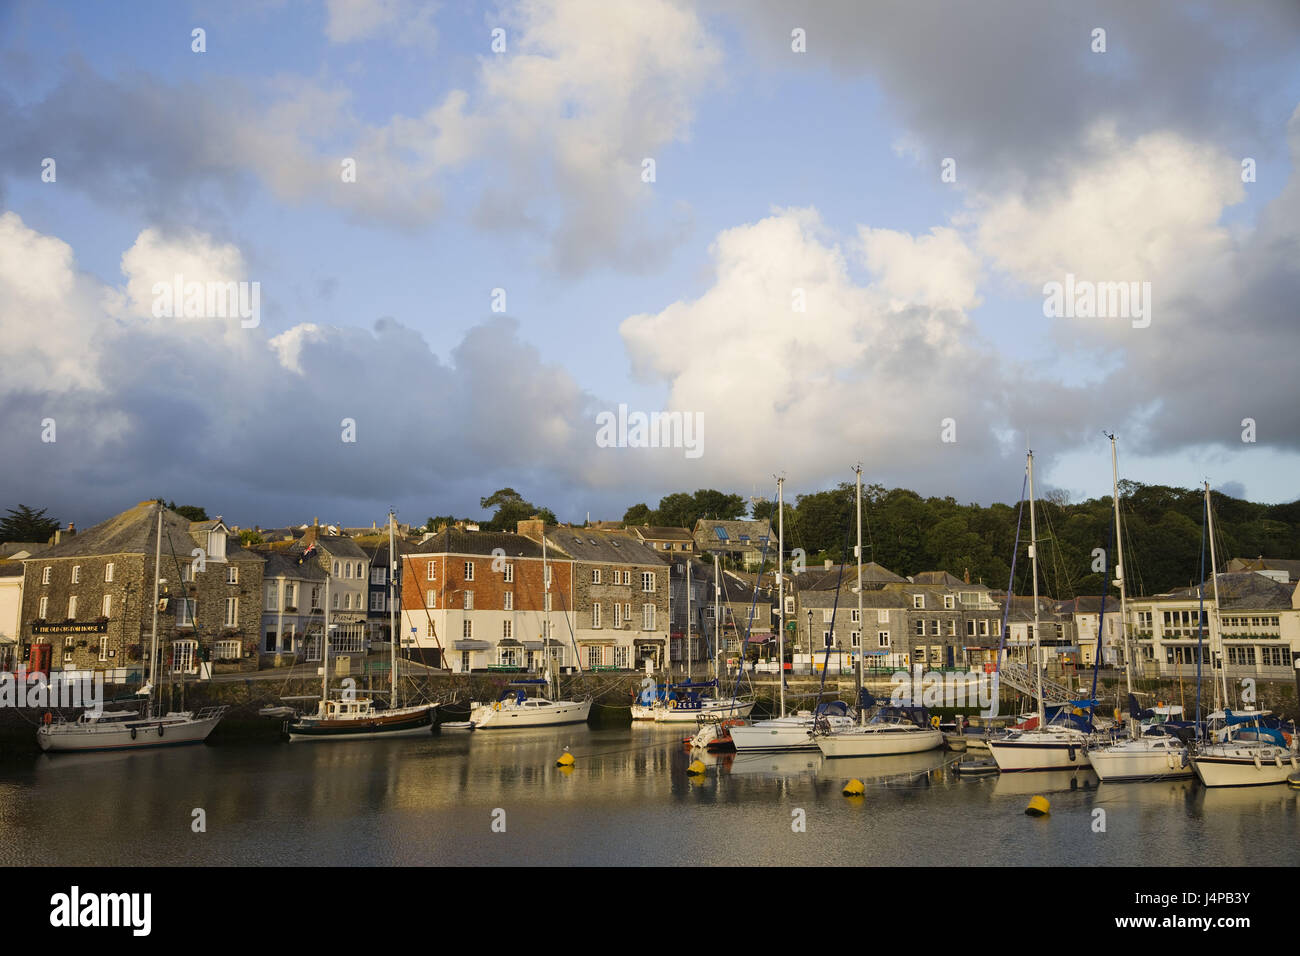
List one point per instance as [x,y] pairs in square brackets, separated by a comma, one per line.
[273,711]
[457,725]
[975,768]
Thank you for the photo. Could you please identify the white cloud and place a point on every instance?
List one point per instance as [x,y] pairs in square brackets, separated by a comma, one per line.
[404,21]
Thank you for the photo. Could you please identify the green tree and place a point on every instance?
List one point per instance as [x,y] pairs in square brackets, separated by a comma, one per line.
[249,537]
[25,524]
[511,509]
[637,515]
[189,512]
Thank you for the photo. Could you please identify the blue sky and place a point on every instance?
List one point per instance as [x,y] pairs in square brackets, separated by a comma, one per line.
[823,165]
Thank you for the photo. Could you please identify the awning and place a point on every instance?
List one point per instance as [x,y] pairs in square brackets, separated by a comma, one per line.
[533,645]
[509,642]
[594,641]
[472,646]
[647,640]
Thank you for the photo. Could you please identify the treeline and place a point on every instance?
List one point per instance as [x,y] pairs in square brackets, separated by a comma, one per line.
[908,534]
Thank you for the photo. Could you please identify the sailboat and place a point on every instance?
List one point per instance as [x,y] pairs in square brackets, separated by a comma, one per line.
[895,729]
[354,718]
[1241,750]
[515,708]
[1055,746]
[1154,754]
[132,729]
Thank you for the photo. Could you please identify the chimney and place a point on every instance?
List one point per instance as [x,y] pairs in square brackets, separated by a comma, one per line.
[72,529]
[966,576]
[532,528]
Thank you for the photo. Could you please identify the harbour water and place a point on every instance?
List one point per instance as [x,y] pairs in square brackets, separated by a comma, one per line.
[484,798]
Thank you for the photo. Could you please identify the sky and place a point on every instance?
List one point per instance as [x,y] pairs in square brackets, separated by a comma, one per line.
[821,234]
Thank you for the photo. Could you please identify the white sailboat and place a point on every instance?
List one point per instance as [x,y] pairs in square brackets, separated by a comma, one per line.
[892,729]
[355,718]
[515,708]
[1240,751]
[1044,747]
[132,729]
[1152,755]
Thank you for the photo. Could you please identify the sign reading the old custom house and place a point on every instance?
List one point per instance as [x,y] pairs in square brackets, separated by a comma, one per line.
[99,627]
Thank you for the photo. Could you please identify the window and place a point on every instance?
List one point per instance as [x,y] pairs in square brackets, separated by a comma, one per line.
[216,546]
[187,572]
[69,647]
[432,570]
[469,570]
[882,638]
[430,598]
[826,638]
[918,600]
[1241,655]
[377,601]
[595,575]
[232,612]
[595,656]
[618,614]
[970,627]
[919,628]
[789,605]
[855,616]
[289,594]
[76,574]
[855,638]
[45,605]
[507,629]
[379,576]
[336,569]
[828,615]
[509,600]
[183,653]
[647,617]
[627,614]
[1273,656]
[103,647]
[647,581]
[509,572]
[232,575]
[315,597]
[336,600]
[227,650]
[45,575]
[347,569]
[185,612]
[467,628]
[621,657]
[361,570]
[72,606]
[949,602]
[428,629]
[468,598]
[882,616]
[952,628]
[347,602]
[934,628]
[595,615]
[984,628]
[106,608]
[108,573]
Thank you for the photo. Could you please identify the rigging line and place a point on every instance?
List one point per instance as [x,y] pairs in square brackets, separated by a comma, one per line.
[1101,624]
[1006,612]
[1200,631]
[835,607]
[749,625]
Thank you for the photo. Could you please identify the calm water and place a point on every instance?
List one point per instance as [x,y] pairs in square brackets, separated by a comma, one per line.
[628,801]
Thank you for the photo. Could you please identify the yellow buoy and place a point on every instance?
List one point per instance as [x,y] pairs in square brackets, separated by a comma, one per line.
[1038,807]
[566,759]
[696,768]
[854,788]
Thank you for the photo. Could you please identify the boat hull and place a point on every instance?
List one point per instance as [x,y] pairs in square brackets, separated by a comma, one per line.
[780,734]
[137,735]
[690,715]
[1230,765]
[1132,761]
[1029,752]
[406,722]
[879,743]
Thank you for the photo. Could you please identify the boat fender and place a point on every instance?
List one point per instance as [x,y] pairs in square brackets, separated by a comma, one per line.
[497,705]
[160,730]
[133,733]
[1278,761]
[49,718]
[1258,765]
[1071,753]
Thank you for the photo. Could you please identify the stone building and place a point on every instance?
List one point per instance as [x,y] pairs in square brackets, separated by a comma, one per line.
[91,596]
[293,602]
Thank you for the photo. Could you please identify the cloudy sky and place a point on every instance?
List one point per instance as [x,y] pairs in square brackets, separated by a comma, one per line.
[823,231]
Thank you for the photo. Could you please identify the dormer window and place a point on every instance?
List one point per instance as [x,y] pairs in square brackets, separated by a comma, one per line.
[918,600]
[216,545]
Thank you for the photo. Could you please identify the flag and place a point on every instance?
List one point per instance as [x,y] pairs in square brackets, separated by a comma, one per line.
[303,556]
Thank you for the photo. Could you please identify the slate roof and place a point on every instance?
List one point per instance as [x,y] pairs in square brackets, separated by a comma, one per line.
[134,531]
[1240,591]
[707,538]
[280,564]
[452,541]
[335,545]
[1292,568]
[873,575]
[604,547]
[11,569]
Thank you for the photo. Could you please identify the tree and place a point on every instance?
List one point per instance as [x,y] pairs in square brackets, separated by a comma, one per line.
[25,524]
[248,537]
[511,509]
[638,515]
[189,512]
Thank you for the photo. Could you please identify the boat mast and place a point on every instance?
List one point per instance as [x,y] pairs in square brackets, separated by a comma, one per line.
[717,611]
[688,613]
[325,651]
[392,607]
[780,593]
[1033,554]
[861,630]
[1214,614]
[1119,579]
[153,640]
